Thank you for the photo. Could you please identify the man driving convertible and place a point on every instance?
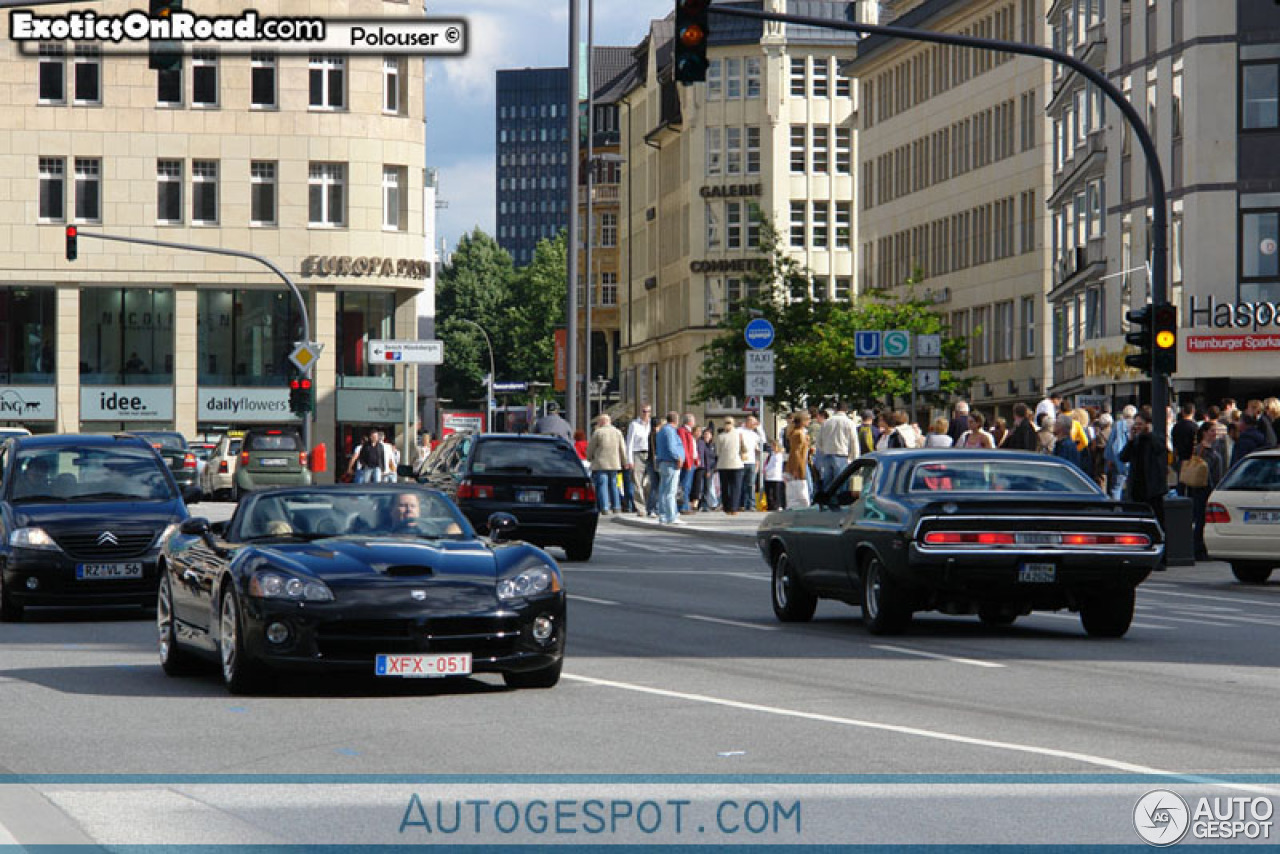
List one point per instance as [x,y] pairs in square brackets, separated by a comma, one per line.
[406,518]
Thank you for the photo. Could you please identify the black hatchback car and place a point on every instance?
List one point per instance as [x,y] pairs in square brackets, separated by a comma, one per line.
[82,520]
[538,479]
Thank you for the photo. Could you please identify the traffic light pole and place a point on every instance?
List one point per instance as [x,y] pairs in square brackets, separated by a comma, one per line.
[1160,225]
[234,253]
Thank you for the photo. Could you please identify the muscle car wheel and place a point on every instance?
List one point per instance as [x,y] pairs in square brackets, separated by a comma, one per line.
[1108,615]
[174,660]
[238,673]
[791,602]
[1250,573]
[10,611]
[885,609]
[547,677]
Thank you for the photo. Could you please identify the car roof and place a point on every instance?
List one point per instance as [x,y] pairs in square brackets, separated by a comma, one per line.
[79,440]
[524,437]
[935,454]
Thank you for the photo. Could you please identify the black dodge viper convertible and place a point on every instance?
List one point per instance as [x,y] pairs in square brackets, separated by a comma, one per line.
[388,580]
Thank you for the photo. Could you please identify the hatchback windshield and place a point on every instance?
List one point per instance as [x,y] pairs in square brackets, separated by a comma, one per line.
[988,476]
[274,442]
[533,457]
[405,512]
[1254,474]
[118,473]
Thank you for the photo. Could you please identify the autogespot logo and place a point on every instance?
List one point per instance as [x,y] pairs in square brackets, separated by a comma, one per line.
[1161,818]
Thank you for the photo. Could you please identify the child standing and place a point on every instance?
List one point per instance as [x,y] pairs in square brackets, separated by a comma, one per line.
[775,490]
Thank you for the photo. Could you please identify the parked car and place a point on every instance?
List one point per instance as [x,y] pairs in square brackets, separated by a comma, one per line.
[203,451]
[82,520]
[537,479]
[384,579]
[218,478]
[173,449]
[270,456]
[1242,518]
[999,534]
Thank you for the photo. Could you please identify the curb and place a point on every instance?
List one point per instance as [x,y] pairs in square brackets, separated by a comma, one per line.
[687,530]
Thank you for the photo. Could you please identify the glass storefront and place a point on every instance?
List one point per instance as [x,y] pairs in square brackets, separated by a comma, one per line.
[27,331]
[126,336]
[246,337]
[363,317]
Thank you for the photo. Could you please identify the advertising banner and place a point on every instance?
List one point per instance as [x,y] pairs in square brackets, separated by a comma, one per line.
[28,403]
[244,405]
[126,403]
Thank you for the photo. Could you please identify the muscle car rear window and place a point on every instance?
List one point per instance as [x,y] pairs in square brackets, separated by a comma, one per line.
[997,476]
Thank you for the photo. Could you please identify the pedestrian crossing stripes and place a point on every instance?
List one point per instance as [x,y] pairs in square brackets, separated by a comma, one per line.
[683,545]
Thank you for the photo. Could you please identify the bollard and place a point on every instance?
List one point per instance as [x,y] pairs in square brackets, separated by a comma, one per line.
[1179,537]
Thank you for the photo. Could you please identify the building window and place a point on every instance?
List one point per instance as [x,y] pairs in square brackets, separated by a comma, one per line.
[844,86]
[755,217]
[53,189]
[262,80]
[843,288]
[713,151]
[327,81]
[169,86]
[714,87]
[88,74]
[733,151]
[608,230]
[1003,337]
[798,158]
[797,77]
[1097,209]
[713,225]
[362,316]
[204,192]
[52,73]
[245,337]
[326,196]
[392,195]
[821,149]
[608,288]
[844,150]
[88,189]
[797,225]
[1028,327]
[733,225]
[821,77]
[1175,243]
[732,79]
[204,78]
[1259,237]
[169,191]
[982,337]
[262,193]
[126,336]
[752,66]
[1260,92]
[844,224]
[821,224]
[392,83]
[28,325]
[753,150]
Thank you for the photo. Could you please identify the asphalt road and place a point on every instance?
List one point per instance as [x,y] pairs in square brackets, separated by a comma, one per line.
[676,666]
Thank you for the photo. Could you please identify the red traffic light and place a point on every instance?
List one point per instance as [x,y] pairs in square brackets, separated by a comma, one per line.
[72,250]
[71,231]
[692,36]
[295,384]
[306,384]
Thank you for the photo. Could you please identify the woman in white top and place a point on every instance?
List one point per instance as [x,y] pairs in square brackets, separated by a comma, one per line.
[938,437]
[975,436]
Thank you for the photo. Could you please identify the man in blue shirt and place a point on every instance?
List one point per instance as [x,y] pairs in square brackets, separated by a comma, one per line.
[669,453]
[1065,448]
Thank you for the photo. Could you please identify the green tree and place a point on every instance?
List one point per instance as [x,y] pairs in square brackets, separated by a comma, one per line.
[536,307]
[475,286]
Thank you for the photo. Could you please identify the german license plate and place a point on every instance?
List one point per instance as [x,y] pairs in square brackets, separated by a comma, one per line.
[424,666]
[529,496]
[273,461]
[1037,573]
[1263,516]
[96,571]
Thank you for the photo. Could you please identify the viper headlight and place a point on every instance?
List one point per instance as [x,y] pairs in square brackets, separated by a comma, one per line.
[276,585]
[533,581]
[31,538]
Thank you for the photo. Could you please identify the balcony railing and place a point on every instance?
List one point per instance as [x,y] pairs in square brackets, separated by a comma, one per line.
[607,193]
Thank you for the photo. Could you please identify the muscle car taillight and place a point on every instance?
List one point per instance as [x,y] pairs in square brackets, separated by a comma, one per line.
[1034,538]
[1216,513]
[968,538]
[467,489]
[1130,540]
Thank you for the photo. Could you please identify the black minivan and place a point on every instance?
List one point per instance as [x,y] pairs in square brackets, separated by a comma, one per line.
[82,520]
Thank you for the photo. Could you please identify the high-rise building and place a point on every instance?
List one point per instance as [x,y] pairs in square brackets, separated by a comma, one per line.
[533,158]
[954,169]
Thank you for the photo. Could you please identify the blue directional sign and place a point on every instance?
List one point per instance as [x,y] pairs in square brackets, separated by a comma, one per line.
[510,387]
[866,345]
[759,334]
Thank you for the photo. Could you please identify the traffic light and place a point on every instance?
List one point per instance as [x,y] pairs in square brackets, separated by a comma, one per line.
[302,397]
[164,55]
[73,251]
[1140,336]
[1165,335]
[691,40]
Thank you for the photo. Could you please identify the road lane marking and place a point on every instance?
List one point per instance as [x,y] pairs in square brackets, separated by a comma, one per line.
[902,649]
[757,626]
[1212,598]
[1075,618]
[592,600]
[919,732]
[759,576]
[1193,622]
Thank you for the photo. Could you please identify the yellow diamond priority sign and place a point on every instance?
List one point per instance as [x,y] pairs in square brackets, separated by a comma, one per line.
[305,354]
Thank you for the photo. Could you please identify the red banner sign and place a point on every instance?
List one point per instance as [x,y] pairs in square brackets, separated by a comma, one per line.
[562,359]
[1232,343]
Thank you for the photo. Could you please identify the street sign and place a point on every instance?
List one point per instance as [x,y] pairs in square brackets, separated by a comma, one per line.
[928,379]
[896,343]
[751,404]
[510,387]
[430,352]
[866,345]
[759,361]
[305,353]
[929,346]
[759,333]
[760,384]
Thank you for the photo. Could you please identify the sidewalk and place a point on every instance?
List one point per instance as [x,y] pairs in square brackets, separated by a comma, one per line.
[715,525]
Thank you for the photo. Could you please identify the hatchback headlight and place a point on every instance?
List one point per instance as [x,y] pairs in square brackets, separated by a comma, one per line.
[530,582]
[31,538]
[274,585]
